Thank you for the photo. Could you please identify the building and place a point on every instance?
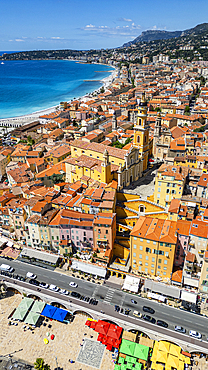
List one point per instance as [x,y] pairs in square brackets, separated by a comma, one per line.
[152,247]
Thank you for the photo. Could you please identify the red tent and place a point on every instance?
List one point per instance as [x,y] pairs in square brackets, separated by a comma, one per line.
[93,324]
[102,327]
[100,338]
[88,323]
[109,347]
[117,343]
[114,331]
[104,341]
[110,341]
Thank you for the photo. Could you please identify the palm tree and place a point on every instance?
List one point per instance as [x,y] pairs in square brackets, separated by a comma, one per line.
[40,364]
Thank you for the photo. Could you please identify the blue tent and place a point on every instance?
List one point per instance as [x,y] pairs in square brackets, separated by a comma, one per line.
[60,314]
[49,311]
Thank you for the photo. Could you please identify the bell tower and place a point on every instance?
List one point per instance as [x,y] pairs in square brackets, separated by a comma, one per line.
[141,132]
[114,123]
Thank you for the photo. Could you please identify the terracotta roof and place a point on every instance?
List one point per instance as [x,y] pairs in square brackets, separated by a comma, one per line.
[177,276]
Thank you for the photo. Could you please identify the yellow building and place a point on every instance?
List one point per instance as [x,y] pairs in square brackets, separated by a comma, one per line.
[58,154]
[152,247]
[187,161]
[141,133]
[169,183]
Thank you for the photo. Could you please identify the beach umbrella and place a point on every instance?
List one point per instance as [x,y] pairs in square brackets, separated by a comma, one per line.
[47,334]
[52,336]
[45,340]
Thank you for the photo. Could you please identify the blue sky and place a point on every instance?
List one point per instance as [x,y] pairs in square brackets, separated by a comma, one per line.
[91,24]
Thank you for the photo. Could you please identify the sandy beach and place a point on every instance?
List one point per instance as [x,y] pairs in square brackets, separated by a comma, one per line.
[27,118]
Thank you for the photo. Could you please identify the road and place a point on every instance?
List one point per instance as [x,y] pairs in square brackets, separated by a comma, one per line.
[108,297]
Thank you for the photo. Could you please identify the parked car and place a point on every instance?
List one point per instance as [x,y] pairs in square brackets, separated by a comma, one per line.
[195,334]
[149,318]
[75,294]
[180,329]
[133,301]
[137,314]
[162,323]
[33,282]
[31,275]
[44,285]
[64,291]
[74,285]
[54,288]
[148,309]
[117,308]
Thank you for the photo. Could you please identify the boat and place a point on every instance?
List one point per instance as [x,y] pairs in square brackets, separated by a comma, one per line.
[2,62]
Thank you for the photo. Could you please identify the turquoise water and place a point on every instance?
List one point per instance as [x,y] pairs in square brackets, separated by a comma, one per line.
[30,86]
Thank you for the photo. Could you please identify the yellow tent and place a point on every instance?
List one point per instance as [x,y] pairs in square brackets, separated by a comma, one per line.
[156,345]
[154,366]
[187,360]
[175,350]
[160,367]
[162,356]
[153,358]
[173,361]
[164,346]
[181,357]
[181,365]
[167,367]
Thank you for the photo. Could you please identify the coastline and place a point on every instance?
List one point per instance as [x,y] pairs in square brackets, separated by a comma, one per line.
[106,81]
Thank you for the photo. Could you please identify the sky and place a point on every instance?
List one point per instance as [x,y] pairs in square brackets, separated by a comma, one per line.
[91,24]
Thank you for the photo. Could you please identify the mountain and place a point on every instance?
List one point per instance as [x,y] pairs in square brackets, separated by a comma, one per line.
[153,35]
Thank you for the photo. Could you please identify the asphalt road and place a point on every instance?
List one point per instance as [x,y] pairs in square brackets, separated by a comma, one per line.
[109,297]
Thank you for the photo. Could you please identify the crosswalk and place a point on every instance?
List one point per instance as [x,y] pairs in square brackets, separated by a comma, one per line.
[109,296]
[95,291]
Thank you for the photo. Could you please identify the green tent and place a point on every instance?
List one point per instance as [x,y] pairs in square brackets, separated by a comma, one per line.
[26,303]
[38,306]
[141,351]
[32,318]
[117,367]
[127,347]
[121,360]
[138,366]
[19,313]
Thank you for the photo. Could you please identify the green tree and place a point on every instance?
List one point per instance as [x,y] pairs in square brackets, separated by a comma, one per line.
[102,90]
[187,109]
[41,365]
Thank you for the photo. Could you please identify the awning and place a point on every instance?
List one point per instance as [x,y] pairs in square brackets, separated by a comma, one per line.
[19,313]
[131,283]
[38,306]
[32,318]
[189,297]
[10,244]
[164,289]
[41,256]
[191,282]
[89,268]
[158,297]
[26,303]
[59,314]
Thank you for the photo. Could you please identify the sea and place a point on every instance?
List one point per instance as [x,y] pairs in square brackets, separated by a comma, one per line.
[29,86]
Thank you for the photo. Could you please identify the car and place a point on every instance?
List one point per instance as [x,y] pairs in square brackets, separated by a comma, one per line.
[64,291]
[195,334]
[148,309]
[44,285]
[75,295]
[162,323]
[149,318]
[137,314]
[126,312]
[74,285]
[180,329]
[117,308]
[31,275]
[53,287]
[32,281]
[133,301]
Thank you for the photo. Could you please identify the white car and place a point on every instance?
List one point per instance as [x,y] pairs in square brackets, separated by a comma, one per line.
[54,288]
[74,285]
[195,334]
[64,291]
[44,285]
[30,275]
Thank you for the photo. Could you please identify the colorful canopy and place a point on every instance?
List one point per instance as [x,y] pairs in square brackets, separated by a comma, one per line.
[38,306]
[88,323]
[141,351]
[32,318]
[26,303]
[174,350]
[162,356]
[164,346]
[127,347]
[173,361]
[181,365]
[187,360]
[114,331]
[19,313]
[102,327]
[138,366]
[59,314]
[121,360]
[49,311]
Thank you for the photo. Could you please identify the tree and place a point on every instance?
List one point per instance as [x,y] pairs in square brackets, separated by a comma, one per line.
[187,109]
[40,364]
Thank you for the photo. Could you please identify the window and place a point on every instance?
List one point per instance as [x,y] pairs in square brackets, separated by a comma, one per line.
[57,238]
[152,265]
[135,247]
[159,267]
[153,259]
[159,260]
[141,240]
[134,254]
[77,238]
[165,262]
[167,254]
[158,196]
[99,231]
[134,266]
[146,263]
[164,273]
[148,250]
[168,191]
[159,190]
[138,139]
[106,231]
[135,238]
[134,261]
[152,271]
[140,256]
[154,243]
[141,248]
[147,257]
[159,183]
[146,270]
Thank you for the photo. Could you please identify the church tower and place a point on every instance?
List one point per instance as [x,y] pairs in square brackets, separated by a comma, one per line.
[141,132]
[114,123]
[157,134]
[106,168]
